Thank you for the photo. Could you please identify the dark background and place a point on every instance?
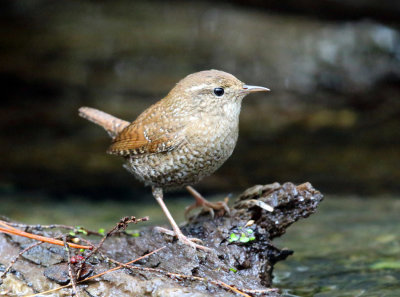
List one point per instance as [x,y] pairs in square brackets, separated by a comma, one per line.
[332,117]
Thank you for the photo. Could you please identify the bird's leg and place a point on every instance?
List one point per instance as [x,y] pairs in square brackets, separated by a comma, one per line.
[158,194]
[205,204]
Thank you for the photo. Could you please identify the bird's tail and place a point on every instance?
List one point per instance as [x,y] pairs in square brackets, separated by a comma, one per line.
[110,123]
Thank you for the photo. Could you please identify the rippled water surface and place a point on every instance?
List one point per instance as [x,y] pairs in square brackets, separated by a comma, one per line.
[350,247]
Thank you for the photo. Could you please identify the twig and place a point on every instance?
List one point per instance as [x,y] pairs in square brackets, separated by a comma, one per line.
[10,230]
[17,257]
[121,225]
[53,226]
[264,291]
[71,270]
[182,276]
[100,274]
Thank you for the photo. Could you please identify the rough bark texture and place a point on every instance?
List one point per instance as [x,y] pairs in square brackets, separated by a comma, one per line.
[243,255]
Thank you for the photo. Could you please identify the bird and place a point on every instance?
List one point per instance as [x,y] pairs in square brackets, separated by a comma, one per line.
[180,139]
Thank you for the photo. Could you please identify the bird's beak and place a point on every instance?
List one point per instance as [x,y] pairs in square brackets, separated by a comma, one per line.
[251,89]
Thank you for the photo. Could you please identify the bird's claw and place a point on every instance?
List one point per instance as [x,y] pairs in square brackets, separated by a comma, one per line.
[192,242]
[164,230]
[183,239]
[207,206]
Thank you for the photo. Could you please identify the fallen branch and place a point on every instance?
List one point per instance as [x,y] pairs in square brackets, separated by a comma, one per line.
[241,261]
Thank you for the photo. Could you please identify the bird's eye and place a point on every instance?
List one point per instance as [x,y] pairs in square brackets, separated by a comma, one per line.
[219,91]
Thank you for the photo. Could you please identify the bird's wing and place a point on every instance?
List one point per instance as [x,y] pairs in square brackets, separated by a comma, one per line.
[139,138]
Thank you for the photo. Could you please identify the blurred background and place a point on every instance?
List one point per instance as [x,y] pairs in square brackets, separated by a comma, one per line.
[332,117]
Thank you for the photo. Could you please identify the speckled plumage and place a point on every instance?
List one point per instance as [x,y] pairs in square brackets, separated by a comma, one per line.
[186,142]
[185,136]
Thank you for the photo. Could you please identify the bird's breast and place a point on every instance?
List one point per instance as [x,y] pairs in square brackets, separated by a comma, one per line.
[207,145]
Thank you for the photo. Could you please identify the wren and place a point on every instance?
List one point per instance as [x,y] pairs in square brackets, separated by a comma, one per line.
[182,138]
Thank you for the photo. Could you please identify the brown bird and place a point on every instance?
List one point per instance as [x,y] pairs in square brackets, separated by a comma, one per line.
[182,138]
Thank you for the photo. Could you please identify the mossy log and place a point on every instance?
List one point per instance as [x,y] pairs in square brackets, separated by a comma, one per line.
[241,261]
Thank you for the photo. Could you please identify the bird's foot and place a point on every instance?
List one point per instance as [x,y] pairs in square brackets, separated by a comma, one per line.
[183,239]
[220,206]
[191,242]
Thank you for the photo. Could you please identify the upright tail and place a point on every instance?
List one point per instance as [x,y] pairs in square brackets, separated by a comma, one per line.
[110,123]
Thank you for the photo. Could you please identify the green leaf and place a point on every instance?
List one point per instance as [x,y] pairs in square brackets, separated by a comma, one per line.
[233,237]
[72,233]
[101,231]
[133,233]
[244,238]
[252,238]
[84,232]
[82,250]
[249,231]
[233,270]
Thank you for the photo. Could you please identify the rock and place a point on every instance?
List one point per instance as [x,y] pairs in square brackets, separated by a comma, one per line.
[59,272]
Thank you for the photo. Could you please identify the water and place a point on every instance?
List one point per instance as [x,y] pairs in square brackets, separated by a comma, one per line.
[350,247]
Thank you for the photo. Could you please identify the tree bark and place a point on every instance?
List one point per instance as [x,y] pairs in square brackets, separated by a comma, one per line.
[241,261]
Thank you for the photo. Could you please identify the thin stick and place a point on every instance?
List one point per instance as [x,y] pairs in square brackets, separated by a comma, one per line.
[14,231]
[122,224]
[52,226]
[100,274]
[4,224]
[17,257]
[182,276]
[71,272]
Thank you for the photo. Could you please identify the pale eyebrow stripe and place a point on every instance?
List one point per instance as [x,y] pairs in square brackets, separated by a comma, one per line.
[198,87]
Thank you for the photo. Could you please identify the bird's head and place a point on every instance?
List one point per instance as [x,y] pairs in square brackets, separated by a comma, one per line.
[211,89]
